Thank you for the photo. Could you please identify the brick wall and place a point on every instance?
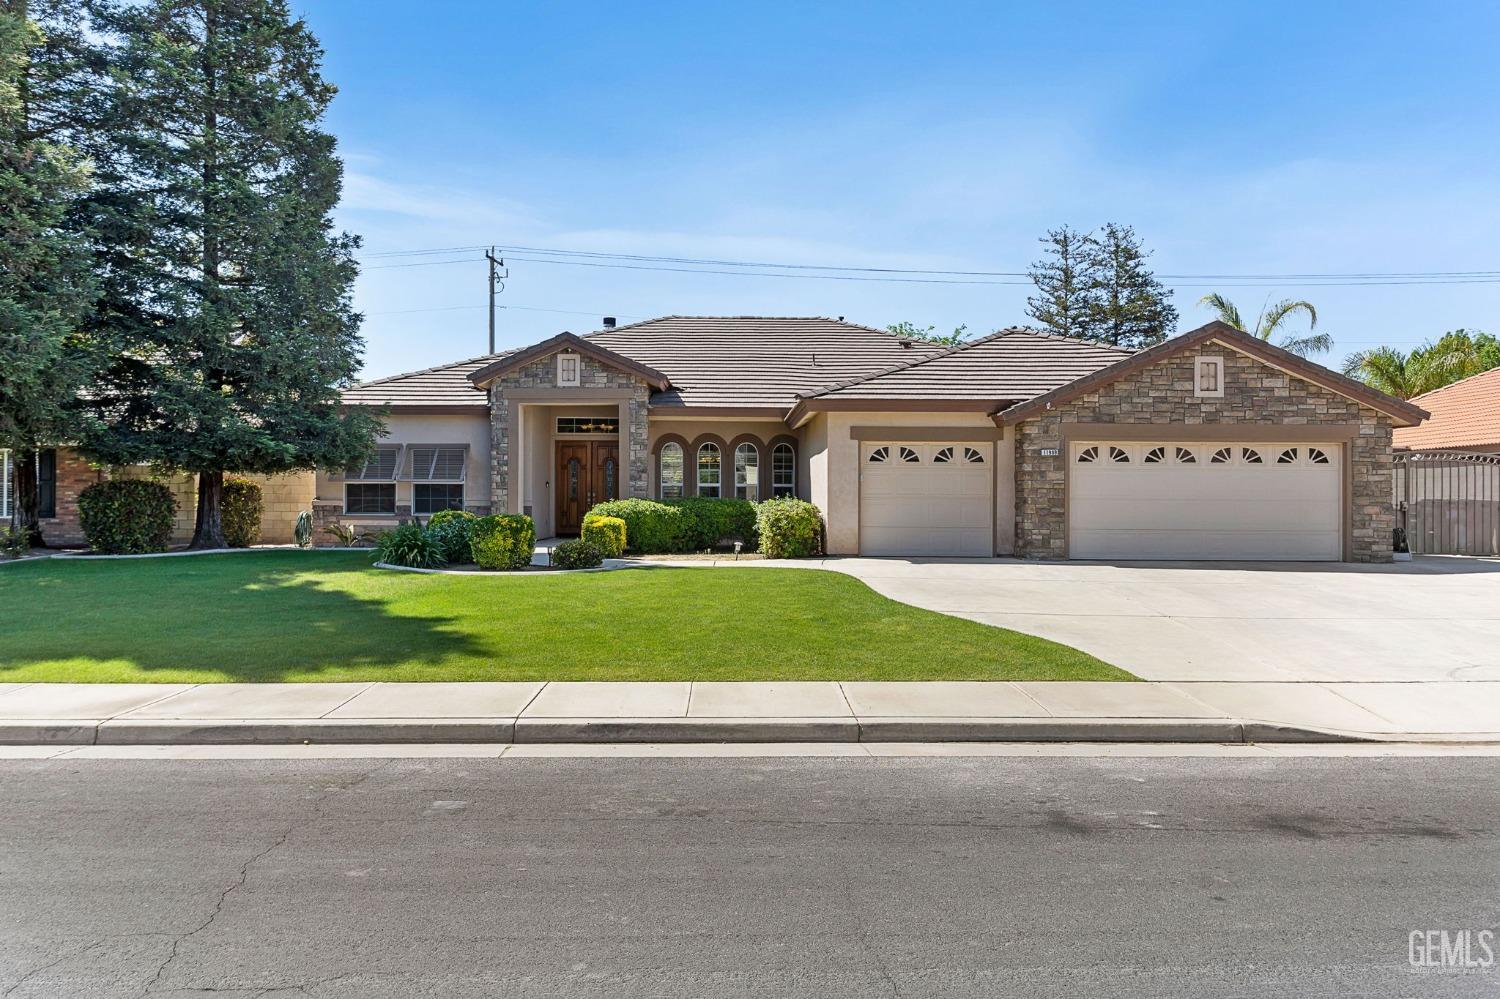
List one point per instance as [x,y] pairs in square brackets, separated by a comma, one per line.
[74,475]
[542,374]
[1254,395]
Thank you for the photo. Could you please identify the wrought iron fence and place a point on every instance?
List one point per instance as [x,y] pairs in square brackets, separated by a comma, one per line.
[1448,502]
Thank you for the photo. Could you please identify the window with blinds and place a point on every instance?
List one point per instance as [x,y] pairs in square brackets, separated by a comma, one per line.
[380,466]
[438,463]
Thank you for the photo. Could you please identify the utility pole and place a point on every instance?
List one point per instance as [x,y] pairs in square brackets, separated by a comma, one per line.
[498,273]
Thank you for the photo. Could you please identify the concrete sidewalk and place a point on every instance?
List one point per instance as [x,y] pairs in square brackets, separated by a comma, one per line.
[1204,712]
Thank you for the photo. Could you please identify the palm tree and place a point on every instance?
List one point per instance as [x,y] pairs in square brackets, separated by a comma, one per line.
[1271,319]
[1428,367]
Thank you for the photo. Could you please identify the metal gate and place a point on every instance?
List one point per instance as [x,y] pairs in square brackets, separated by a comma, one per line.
[1449,502]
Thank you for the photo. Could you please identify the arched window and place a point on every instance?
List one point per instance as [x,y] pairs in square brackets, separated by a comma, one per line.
[783,470]
[669,480]
[709,469]
[747,472]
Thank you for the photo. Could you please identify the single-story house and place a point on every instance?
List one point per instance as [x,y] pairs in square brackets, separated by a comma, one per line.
[1465,416]
[1447,485]
[1211,445]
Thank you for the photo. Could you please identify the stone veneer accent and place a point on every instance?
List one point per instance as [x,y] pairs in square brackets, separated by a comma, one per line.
[542,374]
[1254,394]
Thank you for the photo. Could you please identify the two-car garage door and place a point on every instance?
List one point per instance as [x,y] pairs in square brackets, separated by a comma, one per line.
[1231,500]
[926,499]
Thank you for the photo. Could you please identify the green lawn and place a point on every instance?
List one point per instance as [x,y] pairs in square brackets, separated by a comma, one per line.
[330,616]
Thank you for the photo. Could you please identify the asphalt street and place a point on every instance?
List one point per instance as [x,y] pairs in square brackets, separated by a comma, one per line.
[456,878]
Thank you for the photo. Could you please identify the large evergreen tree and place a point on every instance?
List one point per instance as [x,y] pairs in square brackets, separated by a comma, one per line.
[228,320]
[45,281]
[1126,305]
[1063,289]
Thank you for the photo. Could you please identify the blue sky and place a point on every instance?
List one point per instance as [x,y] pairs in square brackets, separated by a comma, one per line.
[1254,138]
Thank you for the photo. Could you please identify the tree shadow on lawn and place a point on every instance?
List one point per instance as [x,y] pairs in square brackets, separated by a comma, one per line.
[255,617]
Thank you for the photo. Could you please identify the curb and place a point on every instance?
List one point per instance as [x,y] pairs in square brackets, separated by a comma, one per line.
[188,732]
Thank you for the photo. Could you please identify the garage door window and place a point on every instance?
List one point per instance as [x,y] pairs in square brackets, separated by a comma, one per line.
[1222,456]
[910,455]
[879,455]
[1156,456]
[1251,456]
[973,456]
[1185,456]
[1087,455]
[1287,457]
[943,456]
[1316,456]
[1119,455]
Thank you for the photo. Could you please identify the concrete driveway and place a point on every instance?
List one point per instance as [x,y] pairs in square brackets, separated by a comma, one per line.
[1434,618]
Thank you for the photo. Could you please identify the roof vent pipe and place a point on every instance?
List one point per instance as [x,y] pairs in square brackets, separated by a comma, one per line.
[609,322]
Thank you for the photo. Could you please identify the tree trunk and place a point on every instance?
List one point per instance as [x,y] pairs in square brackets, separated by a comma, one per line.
[27,502]
[208,529]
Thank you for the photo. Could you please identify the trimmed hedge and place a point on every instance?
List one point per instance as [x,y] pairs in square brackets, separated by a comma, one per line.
[578,554]
[410,545]
[241,512]
[709,521]
[789,528]
[650,527]
[504,541]
[607,534]
[454,532]
[127,516]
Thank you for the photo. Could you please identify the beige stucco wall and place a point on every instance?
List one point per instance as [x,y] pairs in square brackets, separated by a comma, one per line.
[834,470]
[282,498]
[472,430]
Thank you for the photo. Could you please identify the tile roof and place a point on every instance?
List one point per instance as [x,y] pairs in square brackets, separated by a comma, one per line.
[1010,364]
[446,386]
[756,361]
[1465,415]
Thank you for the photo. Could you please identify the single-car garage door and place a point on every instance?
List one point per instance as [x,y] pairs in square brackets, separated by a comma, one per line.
[1233,500]
[926,499]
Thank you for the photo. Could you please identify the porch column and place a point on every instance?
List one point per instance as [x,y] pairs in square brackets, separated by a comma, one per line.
[635,440]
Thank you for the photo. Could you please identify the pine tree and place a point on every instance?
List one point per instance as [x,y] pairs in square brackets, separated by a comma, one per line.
[45,281]
[229,328]
[1126,305]
[1063,292]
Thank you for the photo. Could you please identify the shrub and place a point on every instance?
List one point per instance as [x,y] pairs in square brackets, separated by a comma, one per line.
[127,516]
[14,543]
[302,530]
[607,534]
[578,554]
[708,520]
[504,541]
[789,528]
[454,531]
[344,535]
[410,545]
[650,527]
[241,512]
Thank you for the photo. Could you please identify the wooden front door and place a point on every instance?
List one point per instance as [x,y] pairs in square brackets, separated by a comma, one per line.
[587,473]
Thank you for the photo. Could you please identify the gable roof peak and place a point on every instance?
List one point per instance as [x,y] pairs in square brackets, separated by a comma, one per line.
[568,341]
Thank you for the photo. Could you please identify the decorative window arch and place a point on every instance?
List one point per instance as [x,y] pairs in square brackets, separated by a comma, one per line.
[1221,456]
[1088,454]
[672,453]
[880,455]
[1185,456]
[1251,456]
[973,456]
[1317,456]
[747,471]
[943,456]
[1155,456]
[784,469]
[909,454]
[1287,457]
[1119,455]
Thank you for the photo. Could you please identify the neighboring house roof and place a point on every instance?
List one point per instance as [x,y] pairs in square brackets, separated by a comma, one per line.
[568,341]
[1008,365]
[1465,415]
[1402,412]
[756,362]
[443,388]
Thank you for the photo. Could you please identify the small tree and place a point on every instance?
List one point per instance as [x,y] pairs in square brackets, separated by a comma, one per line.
[912,331]
[230,329]
[1064,292]
[1125,305]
